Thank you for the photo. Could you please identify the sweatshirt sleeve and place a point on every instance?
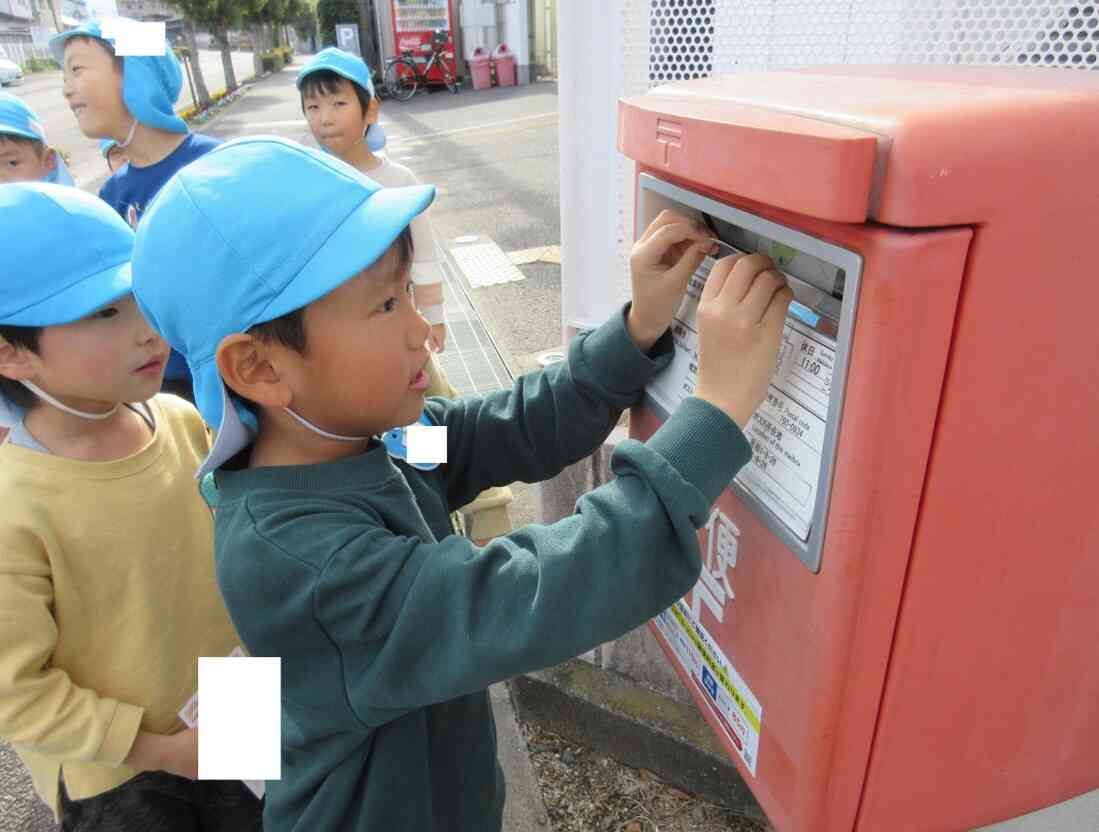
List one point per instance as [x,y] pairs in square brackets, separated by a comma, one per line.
[40,707]
[550,418]
[421,623]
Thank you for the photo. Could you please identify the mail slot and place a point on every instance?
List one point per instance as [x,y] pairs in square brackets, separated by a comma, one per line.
[897,624]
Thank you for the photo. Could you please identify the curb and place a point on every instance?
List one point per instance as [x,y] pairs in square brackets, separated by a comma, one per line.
[611,714]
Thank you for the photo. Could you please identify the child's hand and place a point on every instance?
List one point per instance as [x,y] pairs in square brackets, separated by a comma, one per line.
[740,319]
[661,265]
[181,754]
[438,337]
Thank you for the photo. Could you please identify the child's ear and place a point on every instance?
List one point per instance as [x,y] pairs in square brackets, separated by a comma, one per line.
[14,362]
[51,159]
[245,367]
[372,110]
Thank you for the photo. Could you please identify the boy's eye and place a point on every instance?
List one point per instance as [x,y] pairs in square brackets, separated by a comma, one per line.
[103,314]
[390,305]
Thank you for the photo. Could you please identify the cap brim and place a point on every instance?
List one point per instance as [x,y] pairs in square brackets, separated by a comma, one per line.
[220,413]
[58,41]
[305,72]
[79,299]
[8,130]
[359,242]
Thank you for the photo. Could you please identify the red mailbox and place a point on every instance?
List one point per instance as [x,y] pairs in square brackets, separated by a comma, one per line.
[896,628]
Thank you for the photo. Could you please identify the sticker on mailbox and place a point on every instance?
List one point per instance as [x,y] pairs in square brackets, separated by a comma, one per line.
[787,432]
[730,701]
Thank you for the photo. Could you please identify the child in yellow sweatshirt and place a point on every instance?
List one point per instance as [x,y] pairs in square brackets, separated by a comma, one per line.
[107,591]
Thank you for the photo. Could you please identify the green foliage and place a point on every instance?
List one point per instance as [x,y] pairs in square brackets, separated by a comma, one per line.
[331,12]
[39,65]
[275,59]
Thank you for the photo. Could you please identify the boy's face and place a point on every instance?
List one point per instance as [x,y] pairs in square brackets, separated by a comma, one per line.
[336,118]
[363,371]
[109,357]
[93,88]
[24,161]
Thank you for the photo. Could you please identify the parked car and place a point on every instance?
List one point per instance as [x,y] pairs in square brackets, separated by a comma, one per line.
[10,72]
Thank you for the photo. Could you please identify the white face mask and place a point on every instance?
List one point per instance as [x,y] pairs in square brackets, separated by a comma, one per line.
[46,397]
[310,426]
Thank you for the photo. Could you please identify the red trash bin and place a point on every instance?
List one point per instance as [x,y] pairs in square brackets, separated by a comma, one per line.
[505,65]
[480,69]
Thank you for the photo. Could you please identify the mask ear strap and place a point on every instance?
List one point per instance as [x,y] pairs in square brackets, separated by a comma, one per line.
[46,397]
[310,426]
[129,136]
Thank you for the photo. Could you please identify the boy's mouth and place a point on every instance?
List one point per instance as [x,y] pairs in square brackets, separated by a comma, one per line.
[419,381]
[153,366]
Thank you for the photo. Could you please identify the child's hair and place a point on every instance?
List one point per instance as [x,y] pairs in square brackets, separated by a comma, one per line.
[39,145]
[119,63]
[20,337]
[327,82]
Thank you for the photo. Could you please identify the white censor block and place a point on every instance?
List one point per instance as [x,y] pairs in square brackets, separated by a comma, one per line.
[135,38]
[426,444]
[239,735]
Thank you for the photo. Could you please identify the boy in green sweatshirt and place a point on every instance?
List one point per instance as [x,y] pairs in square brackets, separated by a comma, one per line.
[334,552]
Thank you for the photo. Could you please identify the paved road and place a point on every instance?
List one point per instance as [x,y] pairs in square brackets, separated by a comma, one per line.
[42,91]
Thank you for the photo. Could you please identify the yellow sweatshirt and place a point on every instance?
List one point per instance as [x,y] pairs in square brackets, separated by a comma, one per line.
[107,599]
[487,516]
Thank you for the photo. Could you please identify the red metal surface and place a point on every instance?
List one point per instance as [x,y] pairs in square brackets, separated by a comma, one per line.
[941,671]
[415,39]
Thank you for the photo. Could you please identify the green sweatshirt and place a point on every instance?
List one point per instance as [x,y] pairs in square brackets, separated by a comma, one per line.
[390,628]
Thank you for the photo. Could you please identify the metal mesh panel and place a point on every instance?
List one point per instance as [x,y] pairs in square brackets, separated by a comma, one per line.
[694,38]
[671,40]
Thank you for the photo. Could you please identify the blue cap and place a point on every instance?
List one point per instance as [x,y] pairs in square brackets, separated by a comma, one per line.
[150,84]
[355,70]
[279,226]
[18,119]
[73,252]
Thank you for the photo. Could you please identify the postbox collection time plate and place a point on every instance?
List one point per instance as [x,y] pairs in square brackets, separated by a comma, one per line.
[787,432]
[793,433]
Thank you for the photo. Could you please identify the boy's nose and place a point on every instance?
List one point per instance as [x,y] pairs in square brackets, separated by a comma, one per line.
[419,331]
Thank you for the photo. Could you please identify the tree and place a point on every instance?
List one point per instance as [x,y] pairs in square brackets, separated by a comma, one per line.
[305,21]
[331,12]
[219,16]
[194,10]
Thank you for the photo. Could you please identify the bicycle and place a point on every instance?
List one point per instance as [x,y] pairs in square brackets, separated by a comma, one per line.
[403,75]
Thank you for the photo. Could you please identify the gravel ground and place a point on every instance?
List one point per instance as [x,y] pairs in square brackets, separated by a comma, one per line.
[587,792]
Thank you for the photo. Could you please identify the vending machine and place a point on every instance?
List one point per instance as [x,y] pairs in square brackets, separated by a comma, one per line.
[897,624]
[415,23]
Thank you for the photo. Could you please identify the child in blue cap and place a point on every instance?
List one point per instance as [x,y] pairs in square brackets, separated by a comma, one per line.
[25,154]
[338,100]
[107,591]
[131,100]
[335,554]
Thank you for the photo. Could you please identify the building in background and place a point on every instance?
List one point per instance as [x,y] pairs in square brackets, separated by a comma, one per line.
[16,19]
[543,30]
[154,10]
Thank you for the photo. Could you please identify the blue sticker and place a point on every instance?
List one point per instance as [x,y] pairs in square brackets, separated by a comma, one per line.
[804,314]
[709,682]
[396,447]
